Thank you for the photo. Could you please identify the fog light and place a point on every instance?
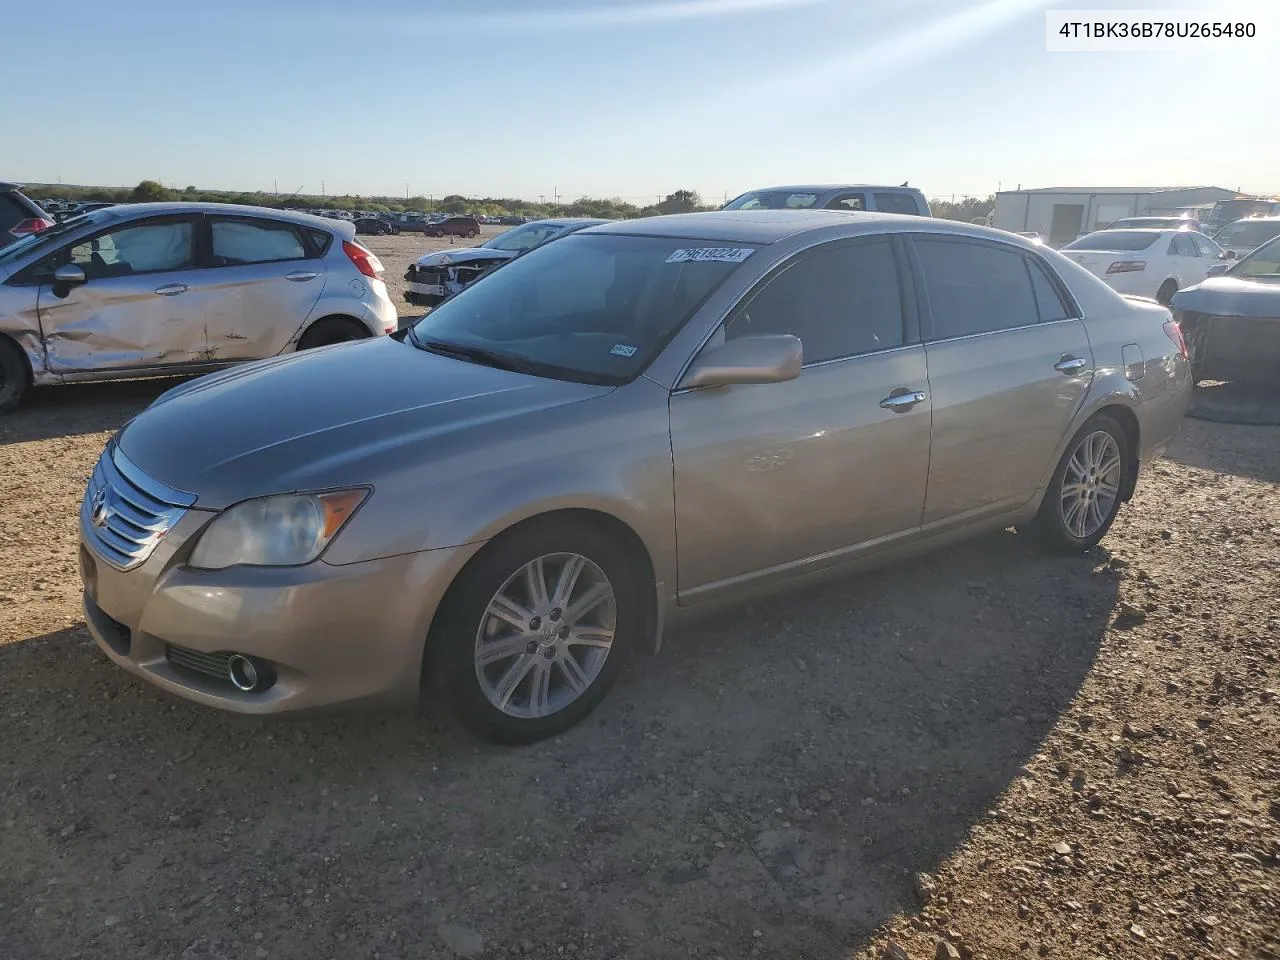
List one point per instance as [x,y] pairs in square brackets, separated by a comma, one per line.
[242,672]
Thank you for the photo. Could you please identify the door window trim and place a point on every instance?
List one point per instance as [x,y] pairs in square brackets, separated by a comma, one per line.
[299,231]
[922,296]
[911,321]
[28,276]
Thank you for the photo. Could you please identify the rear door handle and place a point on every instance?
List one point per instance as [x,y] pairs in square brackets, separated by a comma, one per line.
[171,289]
[301,276]
[1070,365]
[901,402]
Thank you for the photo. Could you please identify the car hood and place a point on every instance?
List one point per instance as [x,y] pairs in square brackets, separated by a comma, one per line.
[465,255]
[1231,297]
[330,417]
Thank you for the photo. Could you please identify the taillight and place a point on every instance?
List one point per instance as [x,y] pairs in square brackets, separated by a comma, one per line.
[1174,332]
[31,225]
[1127,266]
[363,258]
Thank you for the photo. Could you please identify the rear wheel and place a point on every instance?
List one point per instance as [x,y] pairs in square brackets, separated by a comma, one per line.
[14,378]
[1084,494]
[1165,294]
[331,330]
[536,630]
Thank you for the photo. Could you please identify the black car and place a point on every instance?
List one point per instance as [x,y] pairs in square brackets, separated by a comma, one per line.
[19,215]
[1231,321]
[373,226]
[453,227]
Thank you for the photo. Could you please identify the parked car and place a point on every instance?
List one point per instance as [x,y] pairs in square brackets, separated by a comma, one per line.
[1148,263]
[157,289]
[642,419]
[1231,321]
[437,276]
[1157,223]
[847,197]
[1244,236]
[453,227]
[1226,212]
[20,216]
[373,226]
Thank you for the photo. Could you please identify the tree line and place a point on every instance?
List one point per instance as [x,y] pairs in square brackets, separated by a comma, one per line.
[612,208]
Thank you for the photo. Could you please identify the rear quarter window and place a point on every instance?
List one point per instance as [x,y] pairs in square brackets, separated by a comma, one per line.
[12,213]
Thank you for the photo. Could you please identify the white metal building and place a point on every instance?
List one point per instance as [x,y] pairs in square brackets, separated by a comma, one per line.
[1060,214]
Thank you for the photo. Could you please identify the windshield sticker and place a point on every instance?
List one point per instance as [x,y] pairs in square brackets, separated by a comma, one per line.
[711,254]
[623,350]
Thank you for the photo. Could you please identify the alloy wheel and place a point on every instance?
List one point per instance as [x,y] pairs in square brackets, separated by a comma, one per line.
[1090,484]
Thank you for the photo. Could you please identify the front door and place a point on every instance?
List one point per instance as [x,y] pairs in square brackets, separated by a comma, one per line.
[264,282]
[1009,362]
[770,478]
[141,305]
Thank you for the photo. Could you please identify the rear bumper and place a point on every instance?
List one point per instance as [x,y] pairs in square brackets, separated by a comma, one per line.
[1227,347]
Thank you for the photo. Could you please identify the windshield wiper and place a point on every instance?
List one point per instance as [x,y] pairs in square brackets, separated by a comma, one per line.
[475,355]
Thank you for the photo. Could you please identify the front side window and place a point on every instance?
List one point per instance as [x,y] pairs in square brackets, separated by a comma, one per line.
[975,287]
[1181,246]
[137,248]
[596,308]
[840,300]
[1262,263]
[1207,247]
[896,203]
[238,242]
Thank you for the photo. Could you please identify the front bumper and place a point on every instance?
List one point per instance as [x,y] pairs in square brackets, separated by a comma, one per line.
[327,634]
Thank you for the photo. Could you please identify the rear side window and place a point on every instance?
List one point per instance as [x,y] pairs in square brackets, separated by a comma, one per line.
[848,201]
[975,287]
[237,242]
[12,213]
[896,203]
[1206,246]
[841,300]
[1181,246]
[1048,300]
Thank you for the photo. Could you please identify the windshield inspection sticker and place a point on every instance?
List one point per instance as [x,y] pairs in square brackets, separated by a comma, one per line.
[623,350]
[716,254]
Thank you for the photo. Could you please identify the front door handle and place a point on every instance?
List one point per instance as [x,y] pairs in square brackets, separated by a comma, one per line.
[301,276]
[902,400]
[1070,365]
[171,289]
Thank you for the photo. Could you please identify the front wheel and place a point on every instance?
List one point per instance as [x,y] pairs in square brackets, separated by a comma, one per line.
[14,379]
[535,632]
[1084,494]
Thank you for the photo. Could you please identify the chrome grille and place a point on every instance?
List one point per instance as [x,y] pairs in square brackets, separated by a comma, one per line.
[125,513]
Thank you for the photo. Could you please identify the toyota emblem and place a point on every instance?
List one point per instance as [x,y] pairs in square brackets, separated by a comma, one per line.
[100,512]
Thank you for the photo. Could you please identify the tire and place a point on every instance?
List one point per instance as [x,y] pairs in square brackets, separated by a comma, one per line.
[537,650]
[15,379]
[1164,296]
[331,330]
[1058,525]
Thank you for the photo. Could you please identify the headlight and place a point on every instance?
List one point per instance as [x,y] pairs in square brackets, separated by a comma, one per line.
[282,531]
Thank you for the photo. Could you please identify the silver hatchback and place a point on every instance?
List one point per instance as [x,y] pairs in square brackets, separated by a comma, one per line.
[608,434]
[158,289]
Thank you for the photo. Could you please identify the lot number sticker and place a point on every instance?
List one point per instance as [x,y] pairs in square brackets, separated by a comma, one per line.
[711,254]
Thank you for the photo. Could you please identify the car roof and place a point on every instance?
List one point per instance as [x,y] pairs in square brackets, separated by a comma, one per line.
[178,206]
[1273,218]
[768,226]
[572,221]
[825,187]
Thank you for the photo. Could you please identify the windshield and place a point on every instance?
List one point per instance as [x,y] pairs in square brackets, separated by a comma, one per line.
[595,308]
[523,238]
[1114,240]
[1137,222]
[1244,234]
[33,242]
[773,200]
[1262,263]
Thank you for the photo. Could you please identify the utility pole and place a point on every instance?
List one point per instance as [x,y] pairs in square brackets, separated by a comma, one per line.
[406,191]
[322,188]
[542,198]
[557,193]
[275,187]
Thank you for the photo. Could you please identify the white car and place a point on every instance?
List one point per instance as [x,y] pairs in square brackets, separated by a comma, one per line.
[1148,263]
[1241,238]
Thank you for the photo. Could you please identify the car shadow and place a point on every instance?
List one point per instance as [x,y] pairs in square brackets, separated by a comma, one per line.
[1237,449]
[80,408]
[768,784]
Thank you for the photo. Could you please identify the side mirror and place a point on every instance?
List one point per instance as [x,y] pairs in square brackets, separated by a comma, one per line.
[1218,269]
[68,275]
[1228,254]
[763,359]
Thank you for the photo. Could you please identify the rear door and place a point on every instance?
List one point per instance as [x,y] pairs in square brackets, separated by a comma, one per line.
[265,276]
[1186,263]
[142,303]
[1009,363]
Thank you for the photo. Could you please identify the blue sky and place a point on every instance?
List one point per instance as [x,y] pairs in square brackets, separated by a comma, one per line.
[631,98]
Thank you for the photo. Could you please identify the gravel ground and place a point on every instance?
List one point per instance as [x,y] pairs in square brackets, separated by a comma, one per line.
[1022,755]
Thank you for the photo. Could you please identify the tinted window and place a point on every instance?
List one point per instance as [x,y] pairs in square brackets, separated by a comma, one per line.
[848,201]
[772,200]
[1048,300]
[1263,262]
[975,287]
[1181,246]
[12,213]
[140,248]
[840,301]
[896,203]
[1115,240]
[238,242]
[1248,235]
